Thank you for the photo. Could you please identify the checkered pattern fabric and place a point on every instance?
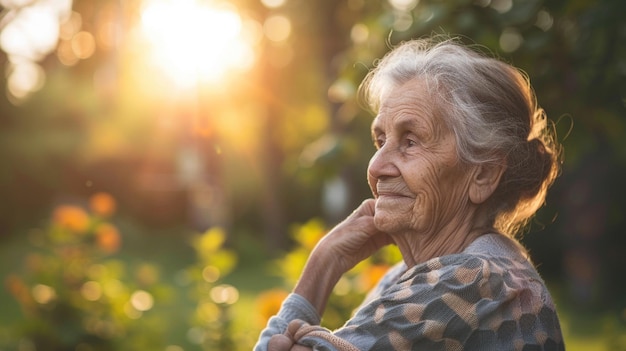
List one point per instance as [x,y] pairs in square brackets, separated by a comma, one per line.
[490,297]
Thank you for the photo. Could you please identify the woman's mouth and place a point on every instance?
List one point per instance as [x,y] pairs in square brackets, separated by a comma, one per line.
[392,191]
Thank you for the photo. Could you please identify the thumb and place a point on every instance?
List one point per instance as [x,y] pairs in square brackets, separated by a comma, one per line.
[279,342]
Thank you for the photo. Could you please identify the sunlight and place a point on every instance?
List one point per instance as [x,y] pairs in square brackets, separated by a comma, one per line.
[194,42]
[29,31]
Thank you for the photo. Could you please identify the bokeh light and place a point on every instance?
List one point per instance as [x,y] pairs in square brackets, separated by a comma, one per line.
[510,40]
[210,274]
[544,20]
[43,294]
[29,32]
[83,44]
[91,291]
[142,300]
[272,4]
[71,26]
[359,33]
[25,77]
[226,294]
[502,6]
[403,5]
[194,42]
[277,28]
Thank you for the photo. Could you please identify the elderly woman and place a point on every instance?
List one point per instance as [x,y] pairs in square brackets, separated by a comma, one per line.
[464,158]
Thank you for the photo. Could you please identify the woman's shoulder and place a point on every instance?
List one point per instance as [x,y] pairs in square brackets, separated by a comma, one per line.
[494,253]
[498,245]
[493,267]
[489,294]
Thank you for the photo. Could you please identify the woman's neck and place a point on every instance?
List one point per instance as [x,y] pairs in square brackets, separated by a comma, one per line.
[417,248]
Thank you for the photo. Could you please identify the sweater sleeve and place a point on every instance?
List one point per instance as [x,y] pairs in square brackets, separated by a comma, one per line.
[294,307]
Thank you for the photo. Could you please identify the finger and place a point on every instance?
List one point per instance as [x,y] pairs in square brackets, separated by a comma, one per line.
[294,326]
[369,206]
[297,347]
[366,208]
[279,342]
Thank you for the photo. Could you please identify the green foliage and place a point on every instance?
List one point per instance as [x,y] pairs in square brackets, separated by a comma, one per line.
[77,292]
[212,319]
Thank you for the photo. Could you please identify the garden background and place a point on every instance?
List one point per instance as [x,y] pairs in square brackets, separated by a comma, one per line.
[166,166]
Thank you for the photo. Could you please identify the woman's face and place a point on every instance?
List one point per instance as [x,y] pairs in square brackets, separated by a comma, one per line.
[415,175]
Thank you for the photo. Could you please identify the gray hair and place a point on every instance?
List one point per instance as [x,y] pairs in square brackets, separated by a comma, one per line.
[491,109]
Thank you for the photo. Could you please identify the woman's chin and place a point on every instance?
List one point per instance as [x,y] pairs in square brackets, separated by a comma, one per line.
[387,222]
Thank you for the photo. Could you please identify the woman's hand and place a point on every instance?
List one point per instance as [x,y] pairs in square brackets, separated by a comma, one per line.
[285,342]
[280,342]
[350,242]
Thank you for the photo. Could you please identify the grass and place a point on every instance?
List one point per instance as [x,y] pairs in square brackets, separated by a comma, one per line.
[593,331]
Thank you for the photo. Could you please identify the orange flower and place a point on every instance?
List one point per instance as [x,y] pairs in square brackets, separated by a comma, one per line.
[269,303]
[102,204]
[371,275]
[71,217]
[20,291]
[108,238]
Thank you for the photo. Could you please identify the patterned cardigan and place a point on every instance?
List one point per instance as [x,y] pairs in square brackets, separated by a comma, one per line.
[489,297]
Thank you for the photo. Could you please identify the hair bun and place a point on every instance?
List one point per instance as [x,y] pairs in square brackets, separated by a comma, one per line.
[537,145]
[539,166]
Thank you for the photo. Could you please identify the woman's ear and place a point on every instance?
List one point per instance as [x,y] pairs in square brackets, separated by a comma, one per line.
[485,180]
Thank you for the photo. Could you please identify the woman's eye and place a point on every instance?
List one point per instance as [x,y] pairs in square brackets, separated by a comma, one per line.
[379,142]
[410,142]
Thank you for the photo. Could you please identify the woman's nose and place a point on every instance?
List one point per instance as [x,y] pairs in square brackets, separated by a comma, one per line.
[382,163]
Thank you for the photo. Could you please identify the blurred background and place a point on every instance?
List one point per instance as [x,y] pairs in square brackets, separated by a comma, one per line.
[166,166]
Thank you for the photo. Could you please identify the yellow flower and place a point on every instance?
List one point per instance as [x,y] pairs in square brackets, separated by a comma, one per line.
[71,217]
[108,238]
[102,204]
[309,233]
[269,302]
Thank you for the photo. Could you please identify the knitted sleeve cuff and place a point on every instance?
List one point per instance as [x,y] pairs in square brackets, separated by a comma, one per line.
[297,307]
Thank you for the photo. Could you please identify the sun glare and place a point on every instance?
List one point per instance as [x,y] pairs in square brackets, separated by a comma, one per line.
[195,42]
